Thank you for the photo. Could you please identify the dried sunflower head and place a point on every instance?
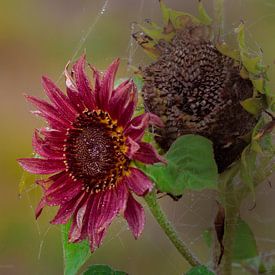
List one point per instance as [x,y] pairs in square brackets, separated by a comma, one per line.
[198,86]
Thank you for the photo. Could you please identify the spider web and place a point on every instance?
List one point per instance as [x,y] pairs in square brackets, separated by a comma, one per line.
[195,212]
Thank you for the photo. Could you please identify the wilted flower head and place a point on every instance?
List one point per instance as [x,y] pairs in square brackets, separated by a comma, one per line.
[194,86]
[89,145]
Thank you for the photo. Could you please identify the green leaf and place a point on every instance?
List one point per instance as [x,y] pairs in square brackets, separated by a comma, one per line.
[253,105]
[203,16]
[259,84]
[156,33]
[138,80]
[165,12]
[225,50]
[177,18]
[244,246]
[248,165]
[75,254]
[251,63]
[102,270]
[264,169]
[148,45]
[259,143]
[199,270]
[240,37]
[191,165]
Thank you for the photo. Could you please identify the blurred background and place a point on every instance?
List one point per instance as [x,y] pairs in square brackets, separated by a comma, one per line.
[39,37]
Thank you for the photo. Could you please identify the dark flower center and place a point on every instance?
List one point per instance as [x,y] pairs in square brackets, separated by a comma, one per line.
[94,151]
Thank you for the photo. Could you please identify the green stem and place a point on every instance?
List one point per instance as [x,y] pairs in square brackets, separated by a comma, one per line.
[169,230]
[231,218]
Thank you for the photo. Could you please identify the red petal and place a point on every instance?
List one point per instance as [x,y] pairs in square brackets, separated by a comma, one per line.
[41,166]
[48,112]
[75,100]
[106,211]
[107,85]
[138,182]
[134,214]
[133,147]
[122,195]
[43,106]
[53,135]
[59,99]
[62,191]
[44,150]
[78,230]
[155,120]
[94,205]
[70,84]
[67,209]
[97,239]
[148,154]
[128,111]
[54,122]
[40,207]
[97,84]
[137,126]
[120,98]
[83,83]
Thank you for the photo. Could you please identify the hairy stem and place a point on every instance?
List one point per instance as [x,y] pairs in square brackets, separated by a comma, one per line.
[169,229]
[231,218]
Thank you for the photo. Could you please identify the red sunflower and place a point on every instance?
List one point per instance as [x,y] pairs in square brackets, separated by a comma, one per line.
[88,146]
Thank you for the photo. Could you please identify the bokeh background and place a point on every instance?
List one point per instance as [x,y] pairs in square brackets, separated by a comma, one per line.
[39,37]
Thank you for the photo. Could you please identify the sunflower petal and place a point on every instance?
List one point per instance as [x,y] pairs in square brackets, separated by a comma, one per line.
[78,230]
[148,154]
[67,209]
[44,150]
[59,99]
[54,122]
[94,205]
[134,214]
[83,83]
[122,195]
[43,106]
[67,190]
[75,100]
[120,99]
[128,111]
[41,166]
[133,147]
[137,126]
[107,85]
[98,238]
[53,135]
[138,182]
[40,207]
[107,210]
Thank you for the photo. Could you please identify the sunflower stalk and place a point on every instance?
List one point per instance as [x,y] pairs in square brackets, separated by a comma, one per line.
[169,230]
[230,223]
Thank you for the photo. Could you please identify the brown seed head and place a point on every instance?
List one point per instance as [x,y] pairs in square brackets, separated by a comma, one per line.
[197,90]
